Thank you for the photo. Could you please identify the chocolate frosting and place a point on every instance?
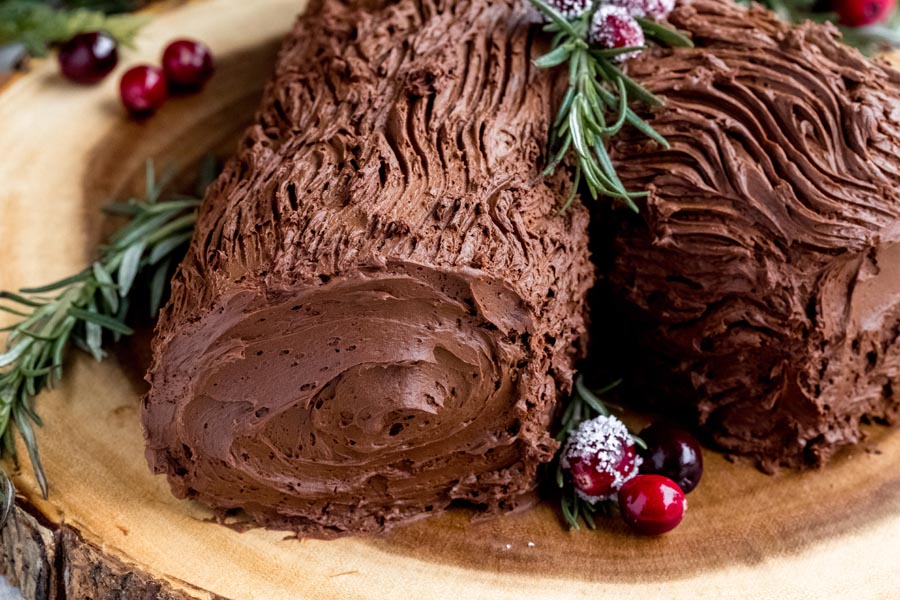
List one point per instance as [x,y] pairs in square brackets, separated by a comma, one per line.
[761,281]
[381,305]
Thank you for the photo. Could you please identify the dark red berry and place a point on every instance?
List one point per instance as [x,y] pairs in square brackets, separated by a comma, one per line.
[673,453]
[600,457]
[188,64]
[143,90]
[858,13]
[88,57]
[614,27]
[652,504]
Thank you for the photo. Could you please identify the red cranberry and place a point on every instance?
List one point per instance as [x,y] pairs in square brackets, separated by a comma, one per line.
[88,57]
[673,453]
[614,27]
[143,90]
[858,13]
[188,65]
[600,457]
[652,504]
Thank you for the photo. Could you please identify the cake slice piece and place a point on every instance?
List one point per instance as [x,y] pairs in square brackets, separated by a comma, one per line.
[382,304]
[761,280]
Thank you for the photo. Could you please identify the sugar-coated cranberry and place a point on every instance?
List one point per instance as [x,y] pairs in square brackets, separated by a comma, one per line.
[614,27]
[673,453]
[858,13]
[143,90]
[571,9]
[600,456]
[655,9]
[88,57]
[652,504]
[188,64]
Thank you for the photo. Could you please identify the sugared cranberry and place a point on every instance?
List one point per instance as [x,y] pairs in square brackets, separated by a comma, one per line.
[88,57]
[600,457]
[655,9]
[673,453]
[652,504]
[614,27]
[143,90]
[858,13]
[571,9]
[188,65]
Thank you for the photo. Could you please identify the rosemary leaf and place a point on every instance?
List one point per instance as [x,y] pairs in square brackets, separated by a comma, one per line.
[553,58]
[664,34]
[50,287]
[128,269]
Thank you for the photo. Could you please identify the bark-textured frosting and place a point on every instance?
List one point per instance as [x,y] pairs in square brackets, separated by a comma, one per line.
[763,274]
[381,305]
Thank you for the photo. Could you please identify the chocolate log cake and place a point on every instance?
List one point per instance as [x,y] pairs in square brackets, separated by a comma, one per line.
[761,280]
[382,304]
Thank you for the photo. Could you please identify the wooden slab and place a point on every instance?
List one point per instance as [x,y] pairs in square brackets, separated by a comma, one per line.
[111,529]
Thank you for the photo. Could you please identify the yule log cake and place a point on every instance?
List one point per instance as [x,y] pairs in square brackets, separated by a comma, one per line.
[761,280]
[382,305]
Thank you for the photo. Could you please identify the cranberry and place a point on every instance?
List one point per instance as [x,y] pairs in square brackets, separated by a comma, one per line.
[655,9]
[652,504]
[188,65]
[600,457]
[614,27]
[673,453]
[143,90]
[858,13]
[88,57]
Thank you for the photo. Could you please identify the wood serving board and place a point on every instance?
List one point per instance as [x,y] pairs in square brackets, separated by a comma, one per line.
[112,530]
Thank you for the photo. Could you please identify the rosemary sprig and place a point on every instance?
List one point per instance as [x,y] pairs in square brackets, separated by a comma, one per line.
[86,309]
[596,104]
[37,25]
[584,405]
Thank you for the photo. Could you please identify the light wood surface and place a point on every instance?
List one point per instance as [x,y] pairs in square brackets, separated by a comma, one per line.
[110,527]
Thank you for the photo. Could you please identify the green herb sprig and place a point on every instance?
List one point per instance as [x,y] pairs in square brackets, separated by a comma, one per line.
[596,104]
[37,26]
[584,405]
[87,309]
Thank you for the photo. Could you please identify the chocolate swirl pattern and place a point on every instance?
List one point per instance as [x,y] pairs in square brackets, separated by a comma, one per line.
[763,275]
[381,305]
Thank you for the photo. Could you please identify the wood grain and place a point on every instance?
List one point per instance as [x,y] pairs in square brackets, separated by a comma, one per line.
[112,530]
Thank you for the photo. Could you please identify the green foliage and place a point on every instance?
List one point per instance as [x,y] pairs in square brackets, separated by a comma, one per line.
[86,309]
[596,104]
[38,25]
[584,405]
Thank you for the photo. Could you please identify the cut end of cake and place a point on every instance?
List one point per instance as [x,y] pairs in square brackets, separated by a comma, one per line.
[356,403]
